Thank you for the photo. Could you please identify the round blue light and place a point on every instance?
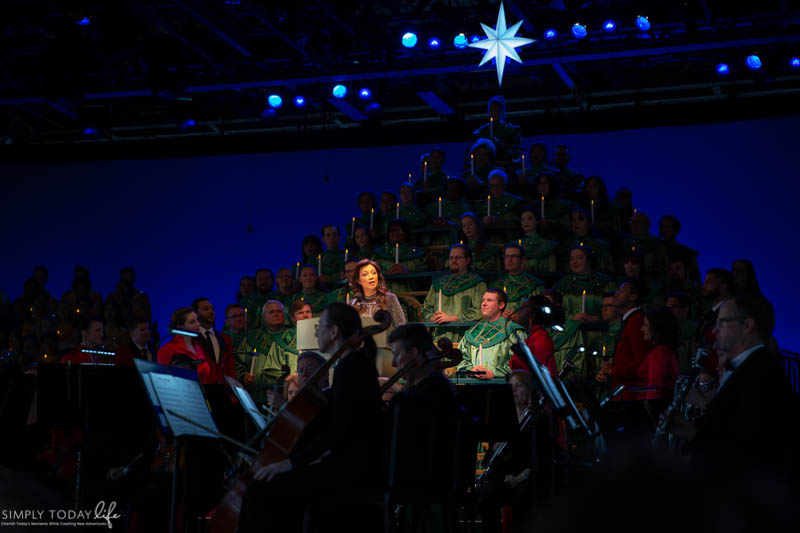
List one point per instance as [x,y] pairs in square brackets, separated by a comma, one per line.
[91,131]
[410,40]
[84,21]
[339,91]
[794,62]
[753,61]
[364,94]
[550,34]
[609,26]
[275,101]
[188,124]
[299,101]
[579,31]
[723,69]
[474,38]
[434,42]
[643,23]
[460,41]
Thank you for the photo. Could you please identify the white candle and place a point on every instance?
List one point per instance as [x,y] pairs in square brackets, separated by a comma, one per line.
[489,205]
[297,270]
[523,164]
[319,264]
[541,209]
[440,207]
[583,301]
[397,253]
[491,126]
[480,355]
[425,171]
[592,211]
[353,228]
[252,363]
[371,217]
[346,254]
[472,164]
[440,300]
[397,211]
[604,352]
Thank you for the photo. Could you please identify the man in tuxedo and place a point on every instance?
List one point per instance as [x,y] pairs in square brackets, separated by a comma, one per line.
[216,345]
[632,348]
[135,346]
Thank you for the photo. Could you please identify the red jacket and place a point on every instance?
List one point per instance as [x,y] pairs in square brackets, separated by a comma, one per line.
[541,346]
[630,351]
[209,371]
[660,370]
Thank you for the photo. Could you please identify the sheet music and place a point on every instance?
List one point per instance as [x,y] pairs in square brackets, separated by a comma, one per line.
[185,397]
[247,402]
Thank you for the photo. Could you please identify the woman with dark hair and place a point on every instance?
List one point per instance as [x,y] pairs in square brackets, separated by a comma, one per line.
[744,277]
[633,266]
[345,451]
[555,215]
[370,293]
[247,286]
[660,367]
[399,257]
[311,291]
[184,350]
[363,245]
[594,200]
[310,250]
[539,252]
[485,255]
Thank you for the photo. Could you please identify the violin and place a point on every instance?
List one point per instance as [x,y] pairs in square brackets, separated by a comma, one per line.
[447,357]
[287,427]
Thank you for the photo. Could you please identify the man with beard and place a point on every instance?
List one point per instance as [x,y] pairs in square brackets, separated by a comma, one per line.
[216,345]
[678,281]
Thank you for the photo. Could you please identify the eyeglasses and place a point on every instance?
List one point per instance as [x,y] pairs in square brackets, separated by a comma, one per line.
[721,321]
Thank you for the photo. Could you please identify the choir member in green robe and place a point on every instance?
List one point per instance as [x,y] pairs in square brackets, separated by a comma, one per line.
[486,346]
[399,257]
[265,351]
[251,301]
[236,325]
[363,245]
[431,184]
[454,296]
[612,316]
[668,228]
[633,267]
[677,281]
[604,215]
[555,222]
[504,208]
[581,236]
[679,304]
[535,164]
[388,205]
[539,252]
[485,255]
[506,137]
[569,178]
[453,204]
[264,281]
[332,260]
[409,210]
[310,291]
[247,286]
[516,283]
[285,288]
[582,291]
[345,292]
[640,240]
[369,217]
[480,164]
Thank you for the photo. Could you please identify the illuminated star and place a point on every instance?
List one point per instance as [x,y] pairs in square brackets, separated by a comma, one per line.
[500,43]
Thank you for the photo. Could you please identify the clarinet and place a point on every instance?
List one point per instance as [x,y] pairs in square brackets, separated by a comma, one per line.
[679,399]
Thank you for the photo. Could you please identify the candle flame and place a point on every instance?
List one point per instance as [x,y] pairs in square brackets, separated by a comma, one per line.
[372,210]
[354,219]
[440,198]
[505,289]
[581,244]
[634,209]
[78,310]
[472,156]
[489,197]
[398,204]
[346,250]
[425,164]
[584,292]
[460,242]
[397,245]
[45,356]
[409,175]
[592,202]
[543,197]
[519,241]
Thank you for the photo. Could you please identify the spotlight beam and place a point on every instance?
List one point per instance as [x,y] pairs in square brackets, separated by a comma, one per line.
[564,75]
[433,100]
[345,107]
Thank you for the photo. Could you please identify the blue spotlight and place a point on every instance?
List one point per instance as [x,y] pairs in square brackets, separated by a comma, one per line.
[753,61]
[434,42]
[339,91]
[275,101]
[722,69]
[579,31]
[188,124]
[643,23]
[365,94]
[475,38]
[794,62]
[460,41]
[84,21]
[609,26]
[410,40]
[91,132]
[550,34]
[299,101]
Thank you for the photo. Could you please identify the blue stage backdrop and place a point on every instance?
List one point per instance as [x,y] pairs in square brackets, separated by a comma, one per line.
[183,223]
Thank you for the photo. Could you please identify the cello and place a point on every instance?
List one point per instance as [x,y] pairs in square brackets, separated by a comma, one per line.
[286,429]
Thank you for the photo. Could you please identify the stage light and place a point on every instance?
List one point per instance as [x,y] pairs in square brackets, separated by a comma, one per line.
[557,327]
[188,123]
[90,131]
[474,38]
[753,61]
[722,69]
[794,62]
[410,40]
[643,23]
[550,34]
[434,42]
[460,41]
[299,101]
[373,109]
[339,91]
[365,94]
[579,31]
[609,26]
[275,101]
[84,21]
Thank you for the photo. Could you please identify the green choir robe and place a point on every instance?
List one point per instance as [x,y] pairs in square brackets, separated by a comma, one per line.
[363,253]
[556,215]
[412,258]
[599,248]
[413,215]
[317,299]
[273,349]
[669,249]
[569,179]
[435,185]
[237,339]
[485,259]
[363,220]
[505,208]
[539,253]
[332,264]
[252,307]
[609,339]
[509,136]
[518,288]
[488,344]
[341,295]
[645,245]
[451,210]
[461,296]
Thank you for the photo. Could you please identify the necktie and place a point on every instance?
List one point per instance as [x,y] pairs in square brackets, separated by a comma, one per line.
[211,345]
[144,354]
